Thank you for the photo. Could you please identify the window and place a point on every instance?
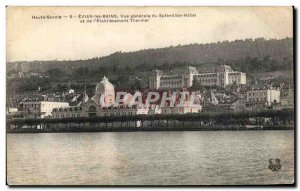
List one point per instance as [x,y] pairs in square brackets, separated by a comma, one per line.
[92,108]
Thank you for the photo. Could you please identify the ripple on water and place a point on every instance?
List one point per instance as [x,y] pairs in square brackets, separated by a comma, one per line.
[151,158]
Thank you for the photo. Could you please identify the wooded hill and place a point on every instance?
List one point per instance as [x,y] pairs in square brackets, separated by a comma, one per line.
[131,69]
[246,55]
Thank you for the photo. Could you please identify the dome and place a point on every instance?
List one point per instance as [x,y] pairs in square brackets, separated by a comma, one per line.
[104,87]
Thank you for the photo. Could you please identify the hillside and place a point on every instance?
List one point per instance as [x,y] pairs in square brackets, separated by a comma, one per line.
[278,52]
[257,58]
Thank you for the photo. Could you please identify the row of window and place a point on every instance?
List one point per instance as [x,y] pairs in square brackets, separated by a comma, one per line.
[120,114]
[235,74]
[170,77]
[105,114]
[234,78]
[32,106]
[257,94]
[208,80]
[206,75]
[175,111]
[258,99]
[170,83]
[67,115]
[35,115]
[68,109]
[170,86]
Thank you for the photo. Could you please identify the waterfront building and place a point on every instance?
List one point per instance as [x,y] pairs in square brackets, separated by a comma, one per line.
[181,109]
[185,107]
[124,110]
[13,113]
[286,100]
[90,107]
[218,102]
[104,87]
[224,76]
[154,109]
[67,112]
[233,104]
[239,104]
[41,109]
[260,97]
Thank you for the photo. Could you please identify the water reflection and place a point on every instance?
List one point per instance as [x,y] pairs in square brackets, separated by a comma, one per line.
[144,158]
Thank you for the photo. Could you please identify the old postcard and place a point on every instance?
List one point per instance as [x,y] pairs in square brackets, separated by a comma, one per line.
[150,96]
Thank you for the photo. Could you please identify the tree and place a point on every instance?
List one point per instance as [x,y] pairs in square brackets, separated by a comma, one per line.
[56,73]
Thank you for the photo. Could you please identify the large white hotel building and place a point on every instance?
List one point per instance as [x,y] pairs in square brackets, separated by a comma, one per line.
[222,77]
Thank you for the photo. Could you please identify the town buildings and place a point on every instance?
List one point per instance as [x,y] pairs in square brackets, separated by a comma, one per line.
[90,107]
[253,97]
[235,97]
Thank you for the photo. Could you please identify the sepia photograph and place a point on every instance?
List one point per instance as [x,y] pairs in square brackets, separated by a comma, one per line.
[150,96]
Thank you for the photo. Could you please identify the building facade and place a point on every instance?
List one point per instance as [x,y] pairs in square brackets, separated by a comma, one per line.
[286,100]
[90,107]
[222,77]
[41,109]
[260,97]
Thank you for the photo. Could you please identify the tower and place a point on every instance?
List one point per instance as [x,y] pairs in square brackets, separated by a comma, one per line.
[85,97]
[154,79]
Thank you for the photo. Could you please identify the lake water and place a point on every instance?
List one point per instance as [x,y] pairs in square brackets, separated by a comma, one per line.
[150,158]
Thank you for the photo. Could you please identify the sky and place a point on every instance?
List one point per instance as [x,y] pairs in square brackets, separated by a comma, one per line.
[68,39]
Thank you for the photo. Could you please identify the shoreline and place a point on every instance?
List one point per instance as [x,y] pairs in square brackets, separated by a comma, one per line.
[145,129]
